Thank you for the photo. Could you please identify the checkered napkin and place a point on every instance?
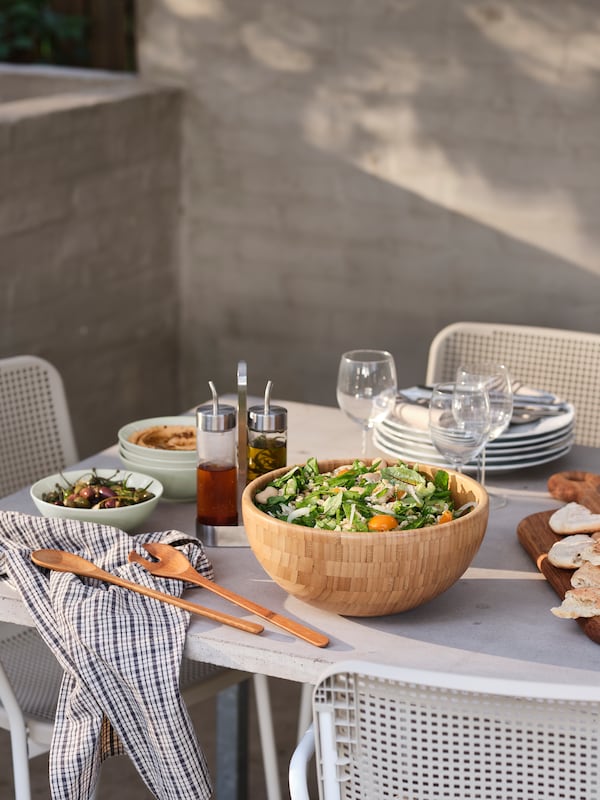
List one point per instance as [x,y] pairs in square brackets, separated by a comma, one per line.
[121,653]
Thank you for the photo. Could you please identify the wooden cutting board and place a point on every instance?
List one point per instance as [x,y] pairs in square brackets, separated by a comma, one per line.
[537,537]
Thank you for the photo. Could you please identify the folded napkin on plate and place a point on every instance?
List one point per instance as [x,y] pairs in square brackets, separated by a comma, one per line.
[121,653]
[412,415]
[412,404]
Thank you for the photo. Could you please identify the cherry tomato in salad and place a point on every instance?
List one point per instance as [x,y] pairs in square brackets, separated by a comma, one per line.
[382,522]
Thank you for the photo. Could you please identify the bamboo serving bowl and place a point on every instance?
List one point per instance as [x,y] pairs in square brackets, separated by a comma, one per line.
[366,574]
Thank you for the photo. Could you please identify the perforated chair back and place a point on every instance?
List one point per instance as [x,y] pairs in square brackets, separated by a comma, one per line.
[36,436]
[400,734]
[562,361]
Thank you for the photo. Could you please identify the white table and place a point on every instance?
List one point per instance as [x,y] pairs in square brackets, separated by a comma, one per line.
[495,621]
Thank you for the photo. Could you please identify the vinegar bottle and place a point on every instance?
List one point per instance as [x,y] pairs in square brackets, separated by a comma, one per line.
[217,468]
[267,437]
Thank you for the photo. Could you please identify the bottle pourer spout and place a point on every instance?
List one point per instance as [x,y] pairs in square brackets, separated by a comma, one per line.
[268,397]
[215,398]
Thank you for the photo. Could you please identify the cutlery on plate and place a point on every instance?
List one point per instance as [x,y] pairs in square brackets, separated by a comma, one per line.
[528,404]
[171,563]
[61,561]
[543,399]
[540,394]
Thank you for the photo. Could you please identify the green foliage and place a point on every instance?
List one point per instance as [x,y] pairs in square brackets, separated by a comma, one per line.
[31,31]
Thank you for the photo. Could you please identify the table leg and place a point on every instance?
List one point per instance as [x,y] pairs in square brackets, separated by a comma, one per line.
[232,743]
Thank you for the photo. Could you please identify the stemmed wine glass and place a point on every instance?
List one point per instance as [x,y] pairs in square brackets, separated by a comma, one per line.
[496,380]
[366,388]
[459,420]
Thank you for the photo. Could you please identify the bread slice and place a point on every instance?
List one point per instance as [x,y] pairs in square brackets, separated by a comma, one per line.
[567,553]
[574,518]
[582,602]
[592,553]
[587,575]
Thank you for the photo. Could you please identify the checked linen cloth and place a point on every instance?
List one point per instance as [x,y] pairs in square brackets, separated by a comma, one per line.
[121,653]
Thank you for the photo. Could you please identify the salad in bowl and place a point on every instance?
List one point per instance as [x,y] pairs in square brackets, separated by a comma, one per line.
[360,497]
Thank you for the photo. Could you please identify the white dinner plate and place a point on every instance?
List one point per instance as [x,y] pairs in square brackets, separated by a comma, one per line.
[431,456]
[497,447]
[529,430]
[423,449]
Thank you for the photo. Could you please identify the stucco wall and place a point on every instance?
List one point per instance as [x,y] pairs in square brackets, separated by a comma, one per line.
[363,173]
[89,208]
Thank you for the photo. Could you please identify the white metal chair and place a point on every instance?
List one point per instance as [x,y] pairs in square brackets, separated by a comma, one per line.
[36,438]
[562,361]
[395,733]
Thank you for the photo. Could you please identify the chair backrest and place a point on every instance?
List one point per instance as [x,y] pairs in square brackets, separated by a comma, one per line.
[564,362]
[36,436]
[401,734]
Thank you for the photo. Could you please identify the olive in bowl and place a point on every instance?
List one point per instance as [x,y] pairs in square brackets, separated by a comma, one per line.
[113,497]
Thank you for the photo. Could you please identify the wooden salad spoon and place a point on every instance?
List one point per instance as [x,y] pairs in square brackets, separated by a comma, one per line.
[62,561]
[172,563]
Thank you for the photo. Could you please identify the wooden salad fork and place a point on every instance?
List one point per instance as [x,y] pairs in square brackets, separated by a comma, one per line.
[62,561]
[172,563]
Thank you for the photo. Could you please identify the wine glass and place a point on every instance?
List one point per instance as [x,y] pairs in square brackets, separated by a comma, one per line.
[497,382]
[366,388]
[459,421]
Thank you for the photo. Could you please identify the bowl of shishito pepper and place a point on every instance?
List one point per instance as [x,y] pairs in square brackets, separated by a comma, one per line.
[113,497]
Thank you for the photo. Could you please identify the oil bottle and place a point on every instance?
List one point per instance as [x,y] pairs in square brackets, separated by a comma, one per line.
[267,437]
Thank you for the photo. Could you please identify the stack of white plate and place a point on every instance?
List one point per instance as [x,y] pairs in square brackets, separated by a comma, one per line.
[175,469]
[404,434]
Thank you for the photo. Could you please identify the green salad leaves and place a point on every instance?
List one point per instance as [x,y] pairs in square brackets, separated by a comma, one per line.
[359,497]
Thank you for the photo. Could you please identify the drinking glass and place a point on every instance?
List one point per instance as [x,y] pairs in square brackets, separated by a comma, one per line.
[495,378]
[459,421]
[366,388]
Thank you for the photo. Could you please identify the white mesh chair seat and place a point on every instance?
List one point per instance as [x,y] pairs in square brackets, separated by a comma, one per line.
[32,670]
[399,734]
[35,675]
[30,678]
[564,362]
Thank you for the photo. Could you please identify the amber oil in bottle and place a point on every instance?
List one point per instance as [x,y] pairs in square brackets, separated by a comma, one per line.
[217,468]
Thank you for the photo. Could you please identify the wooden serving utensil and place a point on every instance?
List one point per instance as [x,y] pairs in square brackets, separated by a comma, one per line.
[61,561]
[172,563]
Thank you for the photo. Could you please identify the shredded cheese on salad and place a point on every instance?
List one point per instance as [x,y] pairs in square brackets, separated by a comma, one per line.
[357,497]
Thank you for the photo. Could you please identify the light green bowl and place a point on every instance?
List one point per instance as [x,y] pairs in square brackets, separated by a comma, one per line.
[174,457]
[126,518]
[178,482]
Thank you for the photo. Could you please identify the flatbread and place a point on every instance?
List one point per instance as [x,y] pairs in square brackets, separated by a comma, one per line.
[582,602]
[592,553]
[574,518]
[567,553]
[166,437]
[587,575]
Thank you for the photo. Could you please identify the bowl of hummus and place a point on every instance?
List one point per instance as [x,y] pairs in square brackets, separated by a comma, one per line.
[168,439]
[165,448]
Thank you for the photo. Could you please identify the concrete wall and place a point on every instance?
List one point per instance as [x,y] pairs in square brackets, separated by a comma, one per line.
[363,173]
[350,174]
[89,209]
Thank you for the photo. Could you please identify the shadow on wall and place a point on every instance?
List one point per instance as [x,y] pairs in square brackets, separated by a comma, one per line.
[290,307]
[362,175]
